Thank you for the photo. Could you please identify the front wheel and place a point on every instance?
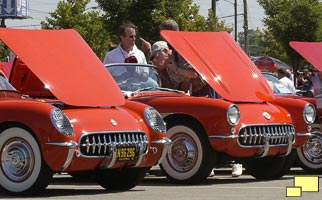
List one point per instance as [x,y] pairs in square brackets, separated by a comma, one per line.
[120,179]
[23,170]
[309,155]
[270,167]
[190,158]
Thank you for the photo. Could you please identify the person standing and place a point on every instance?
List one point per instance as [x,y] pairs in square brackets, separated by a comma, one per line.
[282,76]
[125,49]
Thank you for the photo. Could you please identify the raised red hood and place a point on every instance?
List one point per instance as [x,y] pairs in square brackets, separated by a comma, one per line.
[311,51]
[65,64]
[222,63]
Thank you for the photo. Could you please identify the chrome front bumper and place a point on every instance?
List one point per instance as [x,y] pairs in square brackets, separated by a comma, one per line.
[109,161]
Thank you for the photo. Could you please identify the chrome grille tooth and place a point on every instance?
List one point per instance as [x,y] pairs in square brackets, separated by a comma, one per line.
[244,136]
[93,145]
[136,138]
[120,138]
[87,144]
[129,138]
[258,136]
[99,144]
[133,139]
[105,145]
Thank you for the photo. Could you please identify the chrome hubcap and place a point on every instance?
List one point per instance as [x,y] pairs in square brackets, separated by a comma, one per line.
[17,160]
[183,153]
[313,149]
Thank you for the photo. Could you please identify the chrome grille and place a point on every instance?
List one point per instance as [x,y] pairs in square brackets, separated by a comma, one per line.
[101,144]
[258,135]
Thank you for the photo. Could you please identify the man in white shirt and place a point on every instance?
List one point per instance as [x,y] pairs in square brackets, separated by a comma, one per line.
[126,48]
[282,76]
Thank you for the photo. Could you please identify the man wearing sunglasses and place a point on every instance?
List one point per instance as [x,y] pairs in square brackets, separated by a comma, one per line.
[125,49]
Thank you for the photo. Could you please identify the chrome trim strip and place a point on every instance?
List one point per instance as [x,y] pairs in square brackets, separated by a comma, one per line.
[223,136]
[305,134]
[71,148]
[166,142]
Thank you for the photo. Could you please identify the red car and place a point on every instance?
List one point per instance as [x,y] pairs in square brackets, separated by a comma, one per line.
[309,155]
[241,124]
[72,117]
[312,151]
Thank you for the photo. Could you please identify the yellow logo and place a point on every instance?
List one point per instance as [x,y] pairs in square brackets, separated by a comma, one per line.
[303,184]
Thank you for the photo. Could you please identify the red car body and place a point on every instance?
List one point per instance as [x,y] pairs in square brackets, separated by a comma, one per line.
[64,122]
[202,132]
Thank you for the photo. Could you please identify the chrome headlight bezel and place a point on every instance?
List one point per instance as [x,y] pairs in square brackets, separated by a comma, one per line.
[61,122]
[233,114]
[309,113]
[155,120]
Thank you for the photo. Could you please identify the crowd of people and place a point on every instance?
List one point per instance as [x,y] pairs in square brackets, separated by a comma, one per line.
[302,82]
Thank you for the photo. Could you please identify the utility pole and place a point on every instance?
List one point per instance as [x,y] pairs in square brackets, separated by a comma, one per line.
[235,6]
[213,6]
[246,27]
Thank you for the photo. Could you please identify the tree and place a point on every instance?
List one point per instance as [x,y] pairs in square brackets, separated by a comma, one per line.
[73,14]
[292,20]
[148,14]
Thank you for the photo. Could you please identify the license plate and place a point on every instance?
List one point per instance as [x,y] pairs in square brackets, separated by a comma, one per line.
[125,153]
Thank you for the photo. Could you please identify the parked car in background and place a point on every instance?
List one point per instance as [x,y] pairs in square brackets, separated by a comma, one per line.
[240,124]
[63,122]
[309,156]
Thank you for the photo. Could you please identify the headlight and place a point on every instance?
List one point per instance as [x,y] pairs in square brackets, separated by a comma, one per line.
[155,120]
[233,114]
[309,113]
[61,122]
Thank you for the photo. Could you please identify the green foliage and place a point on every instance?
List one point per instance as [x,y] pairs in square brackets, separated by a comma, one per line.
[292,20]
[148,14]
[99,27]
[4,52]
[73,14]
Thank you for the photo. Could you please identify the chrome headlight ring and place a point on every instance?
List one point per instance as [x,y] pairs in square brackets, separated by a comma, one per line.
[233,114]
[309,113]
[155,120]
[61,122]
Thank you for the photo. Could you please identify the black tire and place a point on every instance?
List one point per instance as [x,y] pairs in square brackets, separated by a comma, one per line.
[120,179]
[23,171]
[309,156]
[190,158]
[270,167]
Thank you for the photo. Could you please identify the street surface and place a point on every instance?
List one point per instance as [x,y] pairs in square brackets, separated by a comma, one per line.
[156,187]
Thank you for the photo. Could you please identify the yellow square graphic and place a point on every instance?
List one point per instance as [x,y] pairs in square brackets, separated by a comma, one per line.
[293,191]
[308,183]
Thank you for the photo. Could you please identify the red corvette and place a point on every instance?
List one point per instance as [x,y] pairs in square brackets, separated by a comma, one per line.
[72,117]
[240,124]
[312,151]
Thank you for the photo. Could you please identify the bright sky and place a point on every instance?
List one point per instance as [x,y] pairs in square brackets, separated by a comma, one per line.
[39,9]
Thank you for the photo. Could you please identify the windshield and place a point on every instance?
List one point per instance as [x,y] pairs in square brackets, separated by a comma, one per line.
[5,85]
[134,77]
[277,86]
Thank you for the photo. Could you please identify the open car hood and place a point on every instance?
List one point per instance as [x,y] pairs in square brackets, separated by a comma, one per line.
[311,51]
[65,65]
[222,63]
